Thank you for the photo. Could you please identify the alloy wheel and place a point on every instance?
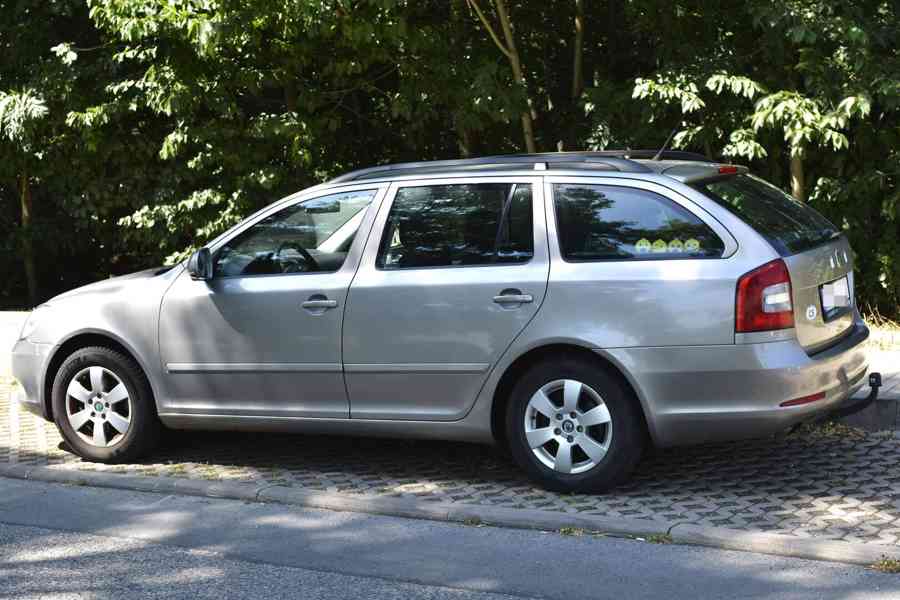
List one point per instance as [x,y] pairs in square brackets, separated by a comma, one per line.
[98,406]
[568,426]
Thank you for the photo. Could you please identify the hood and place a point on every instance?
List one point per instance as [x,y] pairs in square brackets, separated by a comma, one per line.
[113,284]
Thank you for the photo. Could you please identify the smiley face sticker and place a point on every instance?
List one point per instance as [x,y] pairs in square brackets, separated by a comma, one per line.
[691,245]
[643,246]
[660,246]
[676,247]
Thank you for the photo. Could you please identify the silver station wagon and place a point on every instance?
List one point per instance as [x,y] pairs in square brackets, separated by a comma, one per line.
[572,307]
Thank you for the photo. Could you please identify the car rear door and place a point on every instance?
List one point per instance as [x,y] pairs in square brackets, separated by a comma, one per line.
[452,272]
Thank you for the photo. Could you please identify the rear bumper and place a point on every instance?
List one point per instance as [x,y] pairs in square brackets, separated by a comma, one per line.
[28,362]
[695,394]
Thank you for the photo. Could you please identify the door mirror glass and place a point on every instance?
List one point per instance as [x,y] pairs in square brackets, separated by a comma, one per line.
[200,264]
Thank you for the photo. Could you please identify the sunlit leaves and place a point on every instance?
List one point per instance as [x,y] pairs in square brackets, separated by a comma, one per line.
[670,89]
[804,120]
[736,84]
[743,143]
[20,113]
[65,53]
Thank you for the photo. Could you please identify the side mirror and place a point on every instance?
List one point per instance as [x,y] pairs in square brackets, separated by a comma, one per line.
[200,264]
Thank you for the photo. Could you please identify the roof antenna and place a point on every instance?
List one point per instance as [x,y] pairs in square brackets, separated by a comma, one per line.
[665,145]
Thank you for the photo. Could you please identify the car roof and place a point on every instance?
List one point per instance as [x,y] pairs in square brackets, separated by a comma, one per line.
[683,166]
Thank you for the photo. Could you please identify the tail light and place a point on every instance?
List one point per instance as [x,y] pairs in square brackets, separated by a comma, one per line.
[763,301]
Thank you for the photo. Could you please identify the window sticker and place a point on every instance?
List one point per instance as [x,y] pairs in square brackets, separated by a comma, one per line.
[691,245]
[643,246]
[676,247]
[660,246]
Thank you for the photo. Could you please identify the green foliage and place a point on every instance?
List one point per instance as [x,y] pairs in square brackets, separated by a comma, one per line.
[145,127]
[19,112]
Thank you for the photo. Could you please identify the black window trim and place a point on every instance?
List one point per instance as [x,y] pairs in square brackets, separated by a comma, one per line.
[606,183]
[440,183]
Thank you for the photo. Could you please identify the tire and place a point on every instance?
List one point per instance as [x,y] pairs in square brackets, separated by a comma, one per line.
[622,436]
[125,403]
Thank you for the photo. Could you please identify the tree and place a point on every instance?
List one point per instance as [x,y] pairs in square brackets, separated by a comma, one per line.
[166,122]
[21,114]
[510,51]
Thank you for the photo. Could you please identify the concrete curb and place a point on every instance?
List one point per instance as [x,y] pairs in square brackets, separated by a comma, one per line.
[680,533]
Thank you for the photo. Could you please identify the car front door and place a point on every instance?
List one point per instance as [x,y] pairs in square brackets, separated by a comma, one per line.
[452,273]
[263,336]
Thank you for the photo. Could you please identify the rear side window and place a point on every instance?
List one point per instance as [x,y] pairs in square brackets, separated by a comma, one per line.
[458,225]
[598,222]
[790,226]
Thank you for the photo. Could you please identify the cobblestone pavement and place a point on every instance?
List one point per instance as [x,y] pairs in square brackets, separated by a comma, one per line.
[829,482]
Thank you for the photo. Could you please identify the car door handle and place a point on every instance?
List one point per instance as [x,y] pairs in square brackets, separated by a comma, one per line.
[319,304]
[513,299]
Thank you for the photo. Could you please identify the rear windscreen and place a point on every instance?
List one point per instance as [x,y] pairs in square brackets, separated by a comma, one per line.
[790,226]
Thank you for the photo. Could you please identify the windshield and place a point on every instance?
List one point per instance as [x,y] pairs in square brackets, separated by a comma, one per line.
[790,226]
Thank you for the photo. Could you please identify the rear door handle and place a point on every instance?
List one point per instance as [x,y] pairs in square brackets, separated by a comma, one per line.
[320,304]
[506,297]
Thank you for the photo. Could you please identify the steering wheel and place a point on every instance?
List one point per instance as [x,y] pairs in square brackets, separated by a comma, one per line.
[293,266]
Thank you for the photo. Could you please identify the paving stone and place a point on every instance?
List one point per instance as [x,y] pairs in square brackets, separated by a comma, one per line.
[826,482]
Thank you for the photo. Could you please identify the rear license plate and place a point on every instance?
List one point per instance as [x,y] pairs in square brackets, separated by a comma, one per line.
[835,298]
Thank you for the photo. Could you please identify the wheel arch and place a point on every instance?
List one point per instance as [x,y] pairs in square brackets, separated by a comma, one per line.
[526,360]
[77,341]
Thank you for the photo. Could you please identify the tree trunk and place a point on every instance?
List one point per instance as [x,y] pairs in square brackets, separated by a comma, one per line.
[515,62]
[27,242]
[290,94]
[463,139]
[577,68]
[798,184]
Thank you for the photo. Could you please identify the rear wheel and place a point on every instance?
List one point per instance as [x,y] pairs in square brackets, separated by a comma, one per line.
[574,427]
[103,406]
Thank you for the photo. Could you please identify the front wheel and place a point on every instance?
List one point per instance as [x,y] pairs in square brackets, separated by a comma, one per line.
[103,406]
[573,427]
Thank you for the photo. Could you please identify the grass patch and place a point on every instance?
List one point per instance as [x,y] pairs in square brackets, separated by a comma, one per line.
[887,565]
[884,333]
[659,538]
[832,429]
[572,531]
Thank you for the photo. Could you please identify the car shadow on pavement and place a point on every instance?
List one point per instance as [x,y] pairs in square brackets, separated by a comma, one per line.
[830,481]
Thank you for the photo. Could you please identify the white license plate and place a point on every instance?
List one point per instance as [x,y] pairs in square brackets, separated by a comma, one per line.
[835,297]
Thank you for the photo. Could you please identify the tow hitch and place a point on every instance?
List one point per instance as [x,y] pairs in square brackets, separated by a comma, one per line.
[855,407]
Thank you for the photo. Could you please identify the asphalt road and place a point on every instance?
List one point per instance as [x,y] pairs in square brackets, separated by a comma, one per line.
[70,541]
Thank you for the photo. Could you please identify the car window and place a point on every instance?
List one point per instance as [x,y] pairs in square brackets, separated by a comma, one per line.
[311,236]
[458,225]
[790,226]
[599,222]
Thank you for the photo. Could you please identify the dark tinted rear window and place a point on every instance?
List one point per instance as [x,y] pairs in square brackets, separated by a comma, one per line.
[458,225]
[790,226]
[600,222]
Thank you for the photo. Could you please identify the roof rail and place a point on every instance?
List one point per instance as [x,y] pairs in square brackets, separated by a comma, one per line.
[610,161]
[648,154]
